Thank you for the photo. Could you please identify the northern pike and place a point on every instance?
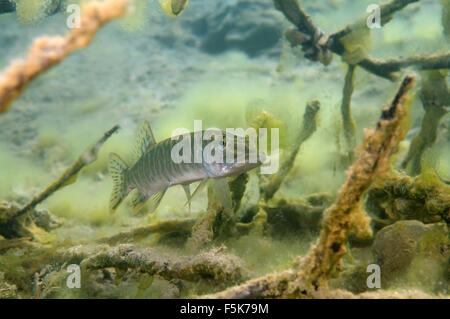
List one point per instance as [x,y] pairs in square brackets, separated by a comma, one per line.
[155,170]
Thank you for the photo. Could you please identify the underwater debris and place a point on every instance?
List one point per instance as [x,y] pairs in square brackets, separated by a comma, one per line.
[212,265]
[296,216]
[410,249]
[46,52]
[217,222]
[33,11]
[318,46]
[308,278]
[161,227]
[372,162]
[11,223]
[424,198]
[435,97]
[347,120]
[270,186]
[7,291]
[237,189]
[43,219]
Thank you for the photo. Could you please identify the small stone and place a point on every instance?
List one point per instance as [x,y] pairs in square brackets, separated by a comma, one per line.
[414,254]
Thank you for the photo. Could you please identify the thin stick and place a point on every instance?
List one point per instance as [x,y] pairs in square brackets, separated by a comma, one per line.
[46,52]
[89,156]
[309,276]
[346,112]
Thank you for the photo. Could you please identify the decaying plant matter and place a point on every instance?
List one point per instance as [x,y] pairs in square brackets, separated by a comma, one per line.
[423,197]
[308,278]
[214,264]
[11,223]
[162,227]
[269,186]
[46,52]
[435,97]
[319,46]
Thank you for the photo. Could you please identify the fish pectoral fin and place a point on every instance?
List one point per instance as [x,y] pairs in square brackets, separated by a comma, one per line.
[137,201]
[199,188]
[154,200]
[222,192]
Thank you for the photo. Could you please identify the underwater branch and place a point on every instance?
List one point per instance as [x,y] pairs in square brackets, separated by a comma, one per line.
[11,227]
[46,52]
[319,46]
[213,264]
[308,278]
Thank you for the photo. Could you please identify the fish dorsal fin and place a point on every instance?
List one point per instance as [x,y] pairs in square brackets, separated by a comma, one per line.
[144,139]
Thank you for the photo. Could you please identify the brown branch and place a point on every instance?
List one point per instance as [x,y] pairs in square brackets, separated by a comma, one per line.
[46,52]
[270,187]
[11,226]
[211,265]
[318,46]
[435,97]
[346,112]
[309,276]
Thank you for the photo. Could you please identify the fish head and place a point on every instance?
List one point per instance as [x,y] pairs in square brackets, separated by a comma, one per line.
[237,154]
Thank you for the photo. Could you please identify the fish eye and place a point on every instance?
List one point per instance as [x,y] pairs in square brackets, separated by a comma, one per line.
[224,143]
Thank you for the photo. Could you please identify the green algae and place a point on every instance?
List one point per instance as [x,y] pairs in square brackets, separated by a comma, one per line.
[290,221]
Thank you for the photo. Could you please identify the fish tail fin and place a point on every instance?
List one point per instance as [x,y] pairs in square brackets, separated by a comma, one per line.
[117,169]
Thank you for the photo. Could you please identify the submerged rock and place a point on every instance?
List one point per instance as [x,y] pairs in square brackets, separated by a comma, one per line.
[249,26]
[45,220]
[412,253]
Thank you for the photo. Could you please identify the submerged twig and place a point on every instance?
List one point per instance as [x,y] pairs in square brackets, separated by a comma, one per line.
[309,277]
[46,52]
[270,187]
[211,265]
[372,162]
[162,227]
[318,46]
[10,214]
[88,156]
[435,97]
[347,120]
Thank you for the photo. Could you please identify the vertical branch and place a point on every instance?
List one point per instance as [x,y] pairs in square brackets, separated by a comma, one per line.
[347,120]
[372,162]
[269,188]
[435,96]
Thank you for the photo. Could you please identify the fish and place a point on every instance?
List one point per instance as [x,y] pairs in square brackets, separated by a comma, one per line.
[155,170]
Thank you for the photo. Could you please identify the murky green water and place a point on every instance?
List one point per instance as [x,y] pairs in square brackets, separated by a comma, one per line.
[230,65]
